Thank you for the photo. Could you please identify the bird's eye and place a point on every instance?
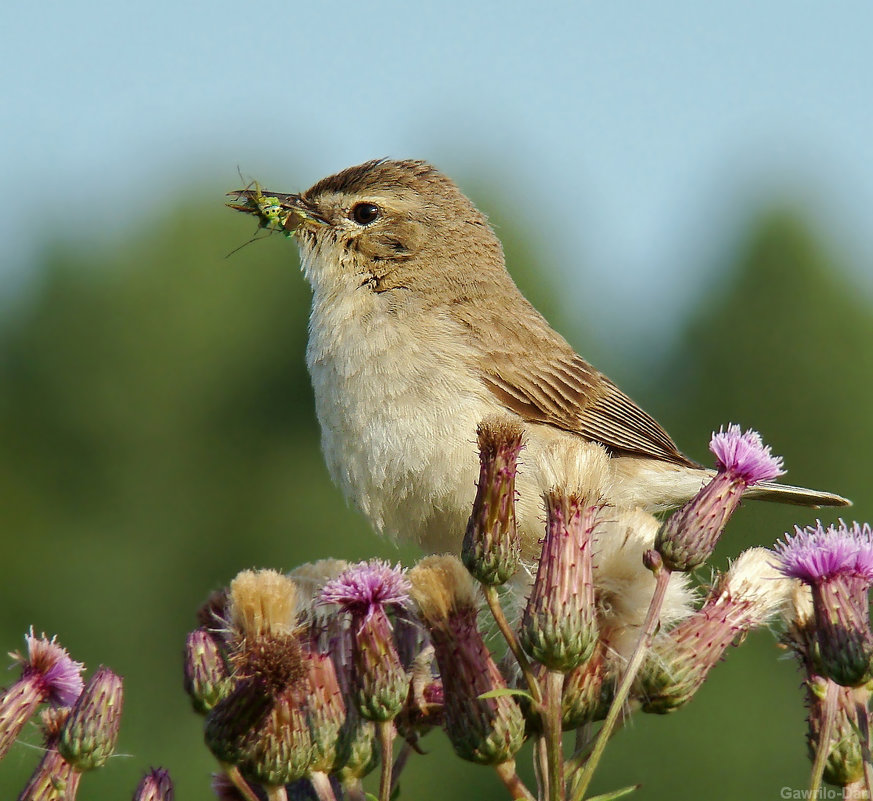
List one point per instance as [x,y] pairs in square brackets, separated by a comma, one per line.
[364,213]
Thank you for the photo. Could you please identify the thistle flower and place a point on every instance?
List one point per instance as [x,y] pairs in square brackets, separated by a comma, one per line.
[492,547]
[47,674]
[484,730]
[90,733]
[156,785]
[207,679]
[54,779]
[837,564]
[366,591]
[688,538]
[747,596]
[559,627]
[260,726]
[263,636]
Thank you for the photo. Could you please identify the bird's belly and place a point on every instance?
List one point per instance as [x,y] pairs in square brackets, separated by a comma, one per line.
[398,425]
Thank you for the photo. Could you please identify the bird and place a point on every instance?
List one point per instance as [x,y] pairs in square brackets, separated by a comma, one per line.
[417,334]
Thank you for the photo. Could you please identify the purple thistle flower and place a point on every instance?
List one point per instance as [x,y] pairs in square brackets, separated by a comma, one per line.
[47,674]
[366,586]
[816,553]
[837,564]
[744,455]
[689,537]
[59,675]
[365,590]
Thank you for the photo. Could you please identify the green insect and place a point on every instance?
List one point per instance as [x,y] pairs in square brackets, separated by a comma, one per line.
[272,215]
[269,211]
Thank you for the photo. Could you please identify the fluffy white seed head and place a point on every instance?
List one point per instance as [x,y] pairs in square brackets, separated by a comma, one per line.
[624,586]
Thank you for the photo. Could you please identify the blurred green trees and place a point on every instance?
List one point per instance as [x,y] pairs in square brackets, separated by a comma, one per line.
[157,435]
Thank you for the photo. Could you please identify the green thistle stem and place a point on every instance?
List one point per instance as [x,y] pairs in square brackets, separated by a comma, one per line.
[650,626]
[823,749]
[511,781]
[354,790]
[493,601]
[386,732]
[552,732]
[239,782]
[321,784]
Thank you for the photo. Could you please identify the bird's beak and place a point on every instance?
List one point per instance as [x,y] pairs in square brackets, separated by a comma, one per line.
[275,210]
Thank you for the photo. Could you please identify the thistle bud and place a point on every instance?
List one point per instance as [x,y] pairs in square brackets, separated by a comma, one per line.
[488,731]
[356,750]
[156,785]
[492,548]
[279,750]
[689,537]
[207,679]
[588,691]
[230,723]
[559,626]
[91,731]
[366,591]
[586,694]
[54,779]
[47,674]
[326,712]
[747,596]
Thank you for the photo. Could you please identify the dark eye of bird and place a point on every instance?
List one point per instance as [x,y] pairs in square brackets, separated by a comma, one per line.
[364,213]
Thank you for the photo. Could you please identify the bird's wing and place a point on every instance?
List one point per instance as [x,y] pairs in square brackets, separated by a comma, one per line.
[565,391]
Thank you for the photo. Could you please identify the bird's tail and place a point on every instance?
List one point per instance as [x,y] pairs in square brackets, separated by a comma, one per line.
[800,496]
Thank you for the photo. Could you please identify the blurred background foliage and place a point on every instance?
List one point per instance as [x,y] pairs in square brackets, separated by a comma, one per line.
[157,435]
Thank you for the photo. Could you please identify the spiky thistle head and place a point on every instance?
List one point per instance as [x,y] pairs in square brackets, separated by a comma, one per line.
[744,455]
[366,586]
[367,591]
[49,664]
[837,564]
[815,553]
[688,538]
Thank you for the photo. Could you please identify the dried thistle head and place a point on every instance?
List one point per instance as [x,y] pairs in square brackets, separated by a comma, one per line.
[441,588]
[262,602]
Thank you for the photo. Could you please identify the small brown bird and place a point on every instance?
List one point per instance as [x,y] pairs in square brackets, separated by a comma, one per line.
[418,333]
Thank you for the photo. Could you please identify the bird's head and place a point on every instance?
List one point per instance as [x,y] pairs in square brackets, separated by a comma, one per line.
[388,225]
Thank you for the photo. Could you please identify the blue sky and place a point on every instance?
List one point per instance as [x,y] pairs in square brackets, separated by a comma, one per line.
[630,137]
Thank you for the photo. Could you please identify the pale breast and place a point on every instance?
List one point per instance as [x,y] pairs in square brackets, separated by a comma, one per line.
[398,414]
